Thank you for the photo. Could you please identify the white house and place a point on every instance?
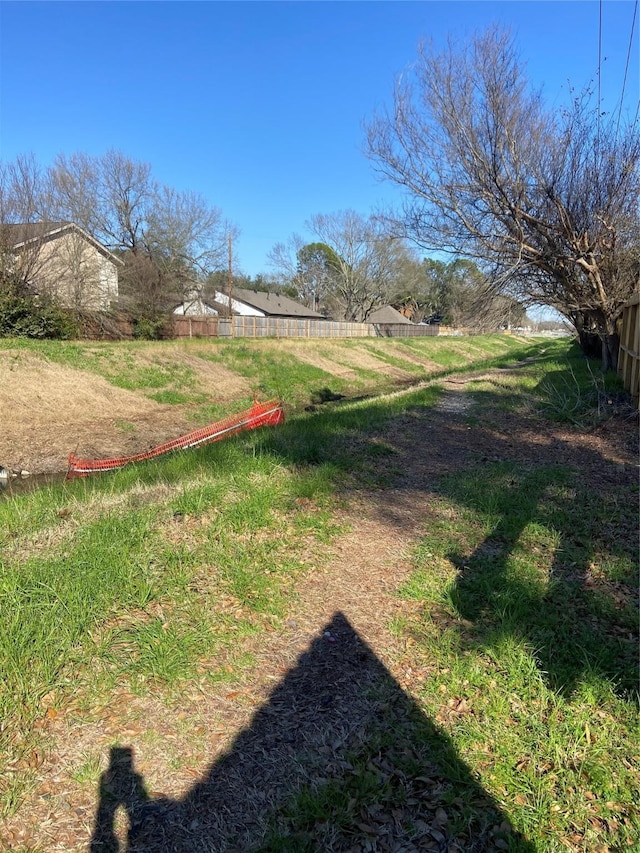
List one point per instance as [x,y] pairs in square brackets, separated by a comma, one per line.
[247,303]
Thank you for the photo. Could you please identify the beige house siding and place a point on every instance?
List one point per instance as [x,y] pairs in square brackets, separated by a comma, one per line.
[72,271]
[68,265]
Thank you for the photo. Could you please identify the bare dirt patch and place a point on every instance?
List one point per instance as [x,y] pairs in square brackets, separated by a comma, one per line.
[211,377]
[428,364]
[333,368]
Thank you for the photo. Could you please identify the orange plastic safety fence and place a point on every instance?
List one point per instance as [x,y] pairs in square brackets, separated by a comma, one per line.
[270,413]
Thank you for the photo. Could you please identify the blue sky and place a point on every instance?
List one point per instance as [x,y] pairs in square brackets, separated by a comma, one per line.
[260,106]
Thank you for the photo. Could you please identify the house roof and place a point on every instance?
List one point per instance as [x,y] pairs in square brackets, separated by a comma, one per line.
[274,304]
[219,308]
[388,314]
[19,234]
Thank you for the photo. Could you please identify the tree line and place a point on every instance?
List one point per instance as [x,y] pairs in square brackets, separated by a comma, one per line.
[357,265]
[174,244]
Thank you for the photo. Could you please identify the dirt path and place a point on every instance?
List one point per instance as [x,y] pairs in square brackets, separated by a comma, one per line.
[214,765]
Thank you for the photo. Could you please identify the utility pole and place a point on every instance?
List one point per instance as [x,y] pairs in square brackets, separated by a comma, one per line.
[230,281]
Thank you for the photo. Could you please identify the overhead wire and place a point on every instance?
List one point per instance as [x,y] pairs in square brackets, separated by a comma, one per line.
[599,74]
[626,69]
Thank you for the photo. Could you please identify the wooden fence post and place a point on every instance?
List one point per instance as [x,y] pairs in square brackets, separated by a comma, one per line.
[629,353]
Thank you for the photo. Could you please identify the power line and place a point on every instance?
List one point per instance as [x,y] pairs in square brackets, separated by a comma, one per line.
[626,68]
[599,73]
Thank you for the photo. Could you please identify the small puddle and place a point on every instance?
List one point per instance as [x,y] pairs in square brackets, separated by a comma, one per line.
[21,485]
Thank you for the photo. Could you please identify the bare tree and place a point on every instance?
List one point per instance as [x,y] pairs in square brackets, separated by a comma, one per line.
[169,240]
[185,234]
[306,270]
[548,200]
[352,268]
[360,255]
[24,201]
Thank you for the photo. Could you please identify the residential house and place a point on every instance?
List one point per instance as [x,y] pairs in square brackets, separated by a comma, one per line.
[62,261]
[195,305]
[247,303]
[388,315]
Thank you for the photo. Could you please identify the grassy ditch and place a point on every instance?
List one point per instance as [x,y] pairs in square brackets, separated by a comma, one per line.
[301,372]
[517,721]
[522,655]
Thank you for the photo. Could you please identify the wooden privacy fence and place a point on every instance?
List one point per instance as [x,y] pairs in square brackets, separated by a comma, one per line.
[290,327]
[405,330]
[629,354]
[191,327]
[263,327]
[286,327]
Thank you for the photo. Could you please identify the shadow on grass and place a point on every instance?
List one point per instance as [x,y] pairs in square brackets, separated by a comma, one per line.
[576,609]
[339,758]
[577,624]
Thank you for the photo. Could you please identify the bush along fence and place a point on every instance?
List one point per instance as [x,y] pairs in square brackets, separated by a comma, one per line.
[629,354]
[285,327]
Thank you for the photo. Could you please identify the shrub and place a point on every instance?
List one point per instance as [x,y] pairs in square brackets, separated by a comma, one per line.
[27,316]
[147,328]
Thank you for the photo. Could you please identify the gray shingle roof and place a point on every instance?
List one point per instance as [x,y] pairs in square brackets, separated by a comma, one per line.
[387,314]
[18,234]
[274,304]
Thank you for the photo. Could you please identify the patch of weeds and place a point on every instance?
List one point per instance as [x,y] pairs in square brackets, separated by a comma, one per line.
[50,605]
[164,650]
[251,511]
[125,426]
[12,791]
[172,397]
[378,448]
[207,412]
[579,393]
[89,771]
[256,572]
[196,500]
[273,372]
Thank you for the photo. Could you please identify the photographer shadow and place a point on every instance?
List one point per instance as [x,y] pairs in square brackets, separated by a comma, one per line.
[339,758]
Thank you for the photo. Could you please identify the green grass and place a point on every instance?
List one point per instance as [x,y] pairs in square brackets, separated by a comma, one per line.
[560,384]
[155,570]
[522,646]
[123,364]
[272,373]
[530,618]
[159,371]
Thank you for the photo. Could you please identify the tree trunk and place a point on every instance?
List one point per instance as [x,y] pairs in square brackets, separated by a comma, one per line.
[610,346]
